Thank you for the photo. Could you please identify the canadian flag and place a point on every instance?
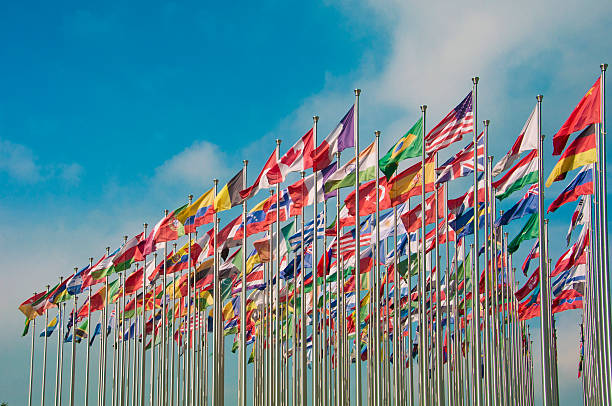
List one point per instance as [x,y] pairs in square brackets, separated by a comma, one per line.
[262,179]
[298,158]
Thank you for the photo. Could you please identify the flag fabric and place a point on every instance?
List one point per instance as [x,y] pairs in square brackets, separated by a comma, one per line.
[50,328]
[533,254]
[297,158]
[262,180]
[100,270]
[409,146]
[521,174]
[225,237]
[526,141]
[229,196]
[167,229]
[581,185]
[345,176]
[412,218]
[462,163]
[529,286]
[129,253]
[338,140]
[367,198]
[581,152]
[573,278]
[530,230]
[199,212]
[408,183]
[586,112]
[458,205]
[75,282]
[527,205]
[133,282]
[28,306]
[451,129]
[575,255]
[567,300]
[581,216]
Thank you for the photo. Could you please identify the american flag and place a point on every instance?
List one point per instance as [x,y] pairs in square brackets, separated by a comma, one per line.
[462,163]
[452,127]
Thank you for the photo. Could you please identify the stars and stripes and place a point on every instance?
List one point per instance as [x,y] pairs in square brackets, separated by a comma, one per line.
[451,129]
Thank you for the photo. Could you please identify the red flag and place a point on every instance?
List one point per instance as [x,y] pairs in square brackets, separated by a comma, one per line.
[586,112]
[298,158]
[134,281]
[367,198]
[262,180]
[167,229]
[412,219]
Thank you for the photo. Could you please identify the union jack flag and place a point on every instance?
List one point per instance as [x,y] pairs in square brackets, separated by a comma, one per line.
[452,127]
[462,163]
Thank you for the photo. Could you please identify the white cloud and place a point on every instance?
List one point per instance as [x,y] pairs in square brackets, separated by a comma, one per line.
[195,166]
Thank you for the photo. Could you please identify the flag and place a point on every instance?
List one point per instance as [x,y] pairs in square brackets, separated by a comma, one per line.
[573,278]
[575,255]
[409,146]
[128,254]
[457,206]
[100,270]
[521,174]
[345,176]
[75,282]
[451,129]
[533,254]
[581,185]
[338,140]
[529,286]
[133,282]
[97,302]
[198,213]
[462,163]
[582,151]
[586,112]
[50,327]
[262,180]
[229,196]
[530,230]
[298,158]
[526,141]
[367,198]
[167,229]
[567,300]
[225,237]
[408,183]
[581,216]
[527,205]
[412,219]
[28,306]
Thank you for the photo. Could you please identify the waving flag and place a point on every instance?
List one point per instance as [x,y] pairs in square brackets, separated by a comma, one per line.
[451,129]
[529,286]
[229,196]
[526,141]
[581,152]
[412,219]
[575,255]
[573,278]
[298,158]
[367,198]
[586,112]
[198,213]
[341,138]
[533,254]
[527,205]
[408,183]
[581,216]
[409,146]
[345,176]
[167,229]
[521,174]
[262,180]
[530,230]
[129,253]
[462,163]
[457,206]
[580,186]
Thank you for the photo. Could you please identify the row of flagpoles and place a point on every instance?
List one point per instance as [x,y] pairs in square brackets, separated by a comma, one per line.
[380,319]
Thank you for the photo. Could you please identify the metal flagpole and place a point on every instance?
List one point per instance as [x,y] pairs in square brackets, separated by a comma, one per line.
[397,330]
[438,333]
[315,285]
[450,350]
[357,255]
[294,374]
[44,368]
[374,353]
[303,315]
[58,370]
[164,347]
[216,396]
[188,353]
[422,276]
[242,354]
[73,354]
[410,344]
[490,374]
[277,342]
[339,280]
[144,326]
[32,361]
[544,309]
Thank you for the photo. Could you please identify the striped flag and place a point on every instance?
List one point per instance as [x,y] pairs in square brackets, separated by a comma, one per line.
[451,129]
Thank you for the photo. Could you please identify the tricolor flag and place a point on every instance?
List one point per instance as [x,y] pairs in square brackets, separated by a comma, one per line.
[302,192]
[198,213]
[298,158]
[412,219]
[586,112]
[462,163]
[262,180]
[526,141]
[408,183]
[167,229]
[229,196]
[345,176]
[527,205]
[521,174]
[580,186]
[581,152]
[129,253]
[451,129]
[341,138]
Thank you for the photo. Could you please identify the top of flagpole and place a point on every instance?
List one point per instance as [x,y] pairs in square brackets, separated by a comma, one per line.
[423,107]
[357,92]
[539,97]
[604,67]
[475,80]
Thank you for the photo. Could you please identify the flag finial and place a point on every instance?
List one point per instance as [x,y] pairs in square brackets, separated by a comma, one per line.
[423,108]
[357,92]
[315,118]
[486,122]
[603,67]
[377,133]
[278,141]
[475,80]
[245,162]
[539,97]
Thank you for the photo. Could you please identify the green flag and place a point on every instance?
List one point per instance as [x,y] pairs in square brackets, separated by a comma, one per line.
[529,231]
[409,146]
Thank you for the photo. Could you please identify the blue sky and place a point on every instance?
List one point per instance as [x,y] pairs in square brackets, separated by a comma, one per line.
[111,113]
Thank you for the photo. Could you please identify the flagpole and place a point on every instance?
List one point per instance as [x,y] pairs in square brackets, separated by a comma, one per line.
[32,360]
[44,368]
[410,343]
[604,212]
[58,370]
[339,280]
[294,341]
[423,266]
[397,330]
[449,339]
[73,355]
[303,311]
[277,342]
[374,353]
[439,361]
[357,257]
[242,354]
[216,310]
[544,309]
